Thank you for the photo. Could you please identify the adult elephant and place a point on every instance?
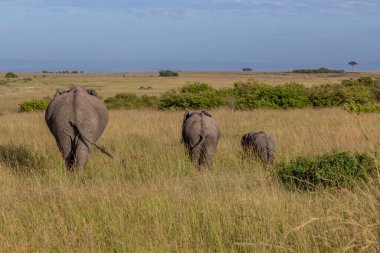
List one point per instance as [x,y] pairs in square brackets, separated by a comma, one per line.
[200,134]
[76,118]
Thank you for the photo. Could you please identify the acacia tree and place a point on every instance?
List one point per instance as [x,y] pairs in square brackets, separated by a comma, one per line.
[353,63]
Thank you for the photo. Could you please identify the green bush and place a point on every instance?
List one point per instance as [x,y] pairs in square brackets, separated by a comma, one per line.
[131,101]
[34,105]
[361,95]
[27,79]
[360,108]
[365,81]
[10,75]
[254,95]
[326,95]
[192,96]
[168,73]
[336,169]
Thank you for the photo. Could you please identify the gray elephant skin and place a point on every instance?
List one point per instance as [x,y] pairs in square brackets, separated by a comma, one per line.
[260,144]
[76,118]
[200,135]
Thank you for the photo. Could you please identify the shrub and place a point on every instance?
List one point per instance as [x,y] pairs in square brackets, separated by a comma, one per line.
[34,105]
[366,81]
[168,73]
[192,96]
[358,94]
[336,169]
[27,79]
[145,88]
[253,95]
[326,95]
[131,101]
[10,75]
[360,108]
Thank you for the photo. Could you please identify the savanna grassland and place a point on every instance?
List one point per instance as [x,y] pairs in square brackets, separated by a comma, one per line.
[150,198]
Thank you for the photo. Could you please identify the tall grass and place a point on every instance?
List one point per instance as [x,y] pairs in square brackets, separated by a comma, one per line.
[150,198]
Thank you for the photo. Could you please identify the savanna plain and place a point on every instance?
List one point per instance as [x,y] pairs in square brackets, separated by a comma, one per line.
[150,198]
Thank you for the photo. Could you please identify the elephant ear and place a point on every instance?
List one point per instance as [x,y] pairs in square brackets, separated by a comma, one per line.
[92,92]
[59,92]
[186,115]
[206,113]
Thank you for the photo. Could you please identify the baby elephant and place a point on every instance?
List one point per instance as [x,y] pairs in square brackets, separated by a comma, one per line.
[259,143]
[200,134]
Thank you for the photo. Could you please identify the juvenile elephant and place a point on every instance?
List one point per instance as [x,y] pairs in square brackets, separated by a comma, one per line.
[76,118]
[259,143]
[200,134]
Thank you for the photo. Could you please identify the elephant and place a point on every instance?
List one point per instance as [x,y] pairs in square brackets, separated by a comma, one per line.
[200,135]
[260,144]
[76,118]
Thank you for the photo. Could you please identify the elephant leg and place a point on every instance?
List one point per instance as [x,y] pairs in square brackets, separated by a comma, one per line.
[206,157]
[67,147]
[81,154]
[195,155]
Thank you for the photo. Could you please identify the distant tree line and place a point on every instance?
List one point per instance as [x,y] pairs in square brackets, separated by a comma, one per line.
[62,72]
[317,71]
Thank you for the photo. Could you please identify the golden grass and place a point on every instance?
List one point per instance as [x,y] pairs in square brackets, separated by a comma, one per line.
[109,84]
[150,198]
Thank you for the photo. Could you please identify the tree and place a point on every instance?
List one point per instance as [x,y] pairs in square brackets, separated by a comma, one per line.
[10,75]
[353,63]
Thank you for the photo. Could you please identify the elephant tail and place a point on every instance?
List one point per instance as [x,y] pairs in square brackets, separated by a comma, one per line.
[102,149]
[201,136]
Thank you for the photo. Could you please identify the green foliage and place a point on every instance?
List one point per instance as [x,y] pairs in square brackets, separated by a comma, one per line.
[10,75]
[27,79]
[326,95]
[360,108]
[361,95]
[34,105]
[168,73]
[253,95]
[192,96]
[316,71]
[337,169]
[131,101]
[145,88]
[21,159]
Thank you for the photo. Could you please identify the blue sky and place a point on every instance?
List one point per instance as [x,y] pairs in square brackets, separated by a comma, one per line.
[115,35]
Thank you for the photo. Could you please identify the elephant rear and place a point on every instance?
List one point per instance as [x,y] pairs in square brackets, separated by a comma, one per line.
[77,119]
[200,134]
[261,144]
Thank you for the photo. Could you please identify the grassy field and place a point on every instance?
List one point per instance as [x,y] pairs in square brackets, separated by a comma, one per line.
[150,198]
